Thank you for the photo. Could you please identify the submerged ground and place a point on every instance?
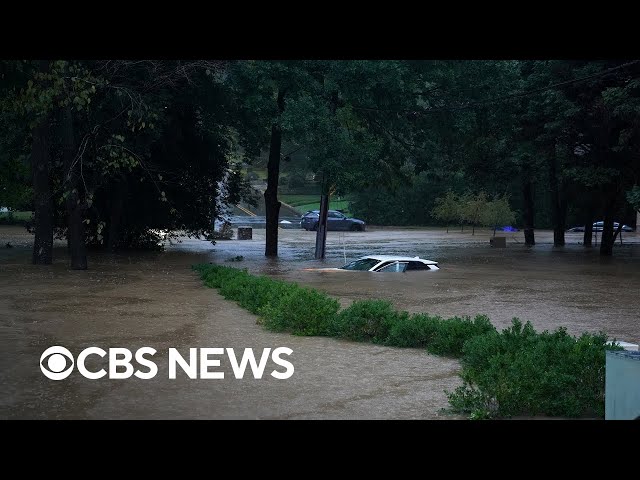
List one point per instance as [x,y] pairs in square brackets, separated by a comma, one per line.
[135,300]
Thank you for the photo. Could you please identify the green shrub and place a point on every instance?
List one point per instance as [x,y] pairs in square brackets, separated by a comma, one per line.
[282,306]
[301,311]
[521,372]
[366,320]
[413,331]
[451,334]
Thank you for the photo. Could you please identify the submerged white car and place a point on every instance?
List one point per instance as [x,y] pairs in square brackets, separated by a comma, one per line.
[384,263]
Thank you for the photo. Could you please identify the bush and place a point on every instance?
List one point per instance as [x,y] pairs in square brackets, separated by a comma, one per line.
[413,331]
[301,311]
[521,372]
[366,320]
[450,335]
[282,306]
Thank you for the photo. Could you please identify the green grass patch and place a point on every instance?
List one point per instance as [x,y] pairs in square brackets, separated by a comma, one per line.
[15,218]
[514,372]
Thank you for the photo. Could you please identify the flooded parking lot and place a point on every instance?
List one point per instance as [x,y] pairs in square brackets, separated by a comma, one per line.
[134,300]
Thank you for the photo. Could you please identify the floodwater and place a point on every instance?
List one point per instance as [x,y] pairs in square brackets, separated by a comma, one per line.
[571,286]
[156,300]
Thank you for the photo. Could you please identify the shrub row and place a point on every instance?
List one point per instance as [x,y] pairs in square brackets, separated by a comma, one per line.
[514,372]
[281,306]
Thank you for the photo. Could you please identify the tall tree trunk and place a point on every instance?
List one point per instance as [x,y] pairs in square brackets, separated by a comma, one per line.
[271,202]
[616,233]
[607,238]
[40,165]
[558,206]
[588,227]
[74,203]
[115,214]
[527,196]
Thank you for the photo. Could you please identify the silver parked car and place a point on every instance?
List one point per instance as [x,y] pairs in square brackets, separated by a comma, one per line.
[598,227]
[383,263]
[335,221]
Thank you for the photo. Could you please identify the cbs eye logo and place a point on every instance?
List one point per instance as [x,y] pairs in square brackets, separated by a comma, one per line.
[55,366]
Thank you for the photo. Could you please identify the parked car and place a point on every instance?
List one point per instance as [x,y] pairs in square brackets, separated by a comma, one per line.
[598,227]
[335,221]
[383,263]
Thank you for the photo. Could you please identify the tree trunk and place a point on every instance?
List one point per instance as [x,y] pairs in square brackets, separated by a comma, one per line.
[607,238]
[321,233]
[74,203]
[271,203]
[473,229]
[115,214]
[40,164]
[527,194]
[588,228]
[618,232]
[558,206]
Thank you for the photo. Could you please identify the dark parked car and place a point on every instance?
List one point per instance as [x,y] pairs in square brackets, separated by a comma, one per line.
[335,221]
[598,226]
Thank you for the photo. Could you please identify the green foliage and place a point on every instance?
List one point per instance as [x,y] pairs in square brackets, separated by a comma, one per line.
[447,208]
[451,335]
[521,372]
[366,320]
[410,204]
[301,311]
[633,197]
[498,212]
[473,208]
[415,331]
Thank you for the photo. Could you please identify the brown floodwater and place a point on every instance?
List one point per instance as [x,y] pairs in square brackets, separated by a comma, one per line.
[149,299]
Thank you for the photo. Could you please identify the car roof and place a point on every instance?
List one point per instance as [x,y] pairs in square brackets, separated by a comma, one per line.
[318,211]
[387,258]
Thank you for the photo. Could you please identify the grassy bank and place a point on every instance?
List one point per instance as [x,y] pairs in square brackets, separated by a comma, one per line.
[15,218]
[511,373]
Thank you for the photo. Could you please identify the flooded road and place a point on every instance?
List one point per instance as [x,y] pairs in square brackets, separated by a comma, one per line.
[156,300]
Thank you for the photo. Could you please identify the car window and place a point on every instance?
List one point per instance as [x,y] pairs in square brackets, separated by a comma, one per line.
[362,264]
[417,266]
[394,267]
[335,215]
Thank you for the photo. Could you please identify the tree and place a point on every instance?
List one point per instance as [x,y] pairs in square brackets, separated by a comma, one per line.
[447,208]
[498,212]
[157,136]
[474,209]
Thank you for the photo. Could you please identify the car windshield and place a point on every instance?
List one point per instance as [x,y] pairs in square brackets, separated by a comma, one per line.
[362,264]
